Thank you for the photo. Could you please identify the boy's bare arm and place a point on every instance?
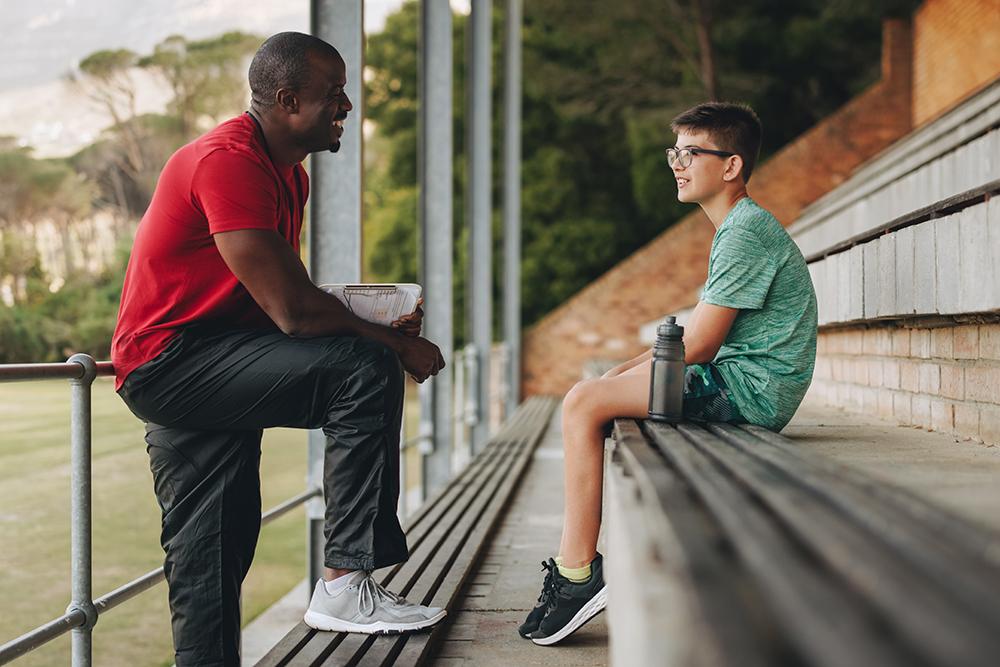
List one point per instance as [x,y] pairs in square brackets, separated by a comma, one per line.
[628,365]
[706,331]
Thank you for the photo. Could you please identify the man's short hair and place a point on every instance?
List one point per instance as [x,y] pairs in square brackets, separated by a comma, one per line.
[732,127]
[282,61]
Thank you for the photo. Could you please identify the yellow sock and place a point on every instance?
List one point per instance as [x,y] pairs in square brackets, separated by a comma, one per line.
[577,575]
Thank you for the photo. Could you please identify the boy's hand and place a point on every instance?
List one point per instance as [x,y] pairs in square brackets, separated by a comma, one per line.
[410,325]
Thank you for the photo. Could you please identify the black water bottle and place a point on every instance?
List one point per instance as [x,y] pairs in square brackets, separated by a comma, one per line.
[666,378]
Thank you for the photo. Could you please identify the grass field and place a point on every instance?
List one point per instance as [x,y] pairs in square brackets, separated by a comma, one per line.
[34,524]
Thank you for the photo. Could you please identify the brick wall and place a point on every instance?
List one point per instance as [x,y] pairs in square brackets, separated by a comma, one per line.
[603,319]
[956,51]
[944,378]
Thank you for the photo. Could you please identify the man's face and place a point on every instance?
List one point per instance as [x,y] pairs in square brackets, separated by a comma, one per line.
[703,178]
[323,105]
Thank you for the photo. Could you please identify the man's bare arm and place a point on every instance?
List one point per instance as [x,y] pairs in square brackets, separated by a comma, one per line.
[274,275]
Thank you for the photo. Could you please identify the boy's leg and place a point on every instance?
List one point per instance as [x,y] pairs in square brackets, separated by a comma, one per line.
[587,408]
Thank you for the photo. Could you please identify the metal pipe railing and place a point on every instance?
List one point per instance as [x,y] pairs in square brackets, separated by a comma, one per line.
[83,612]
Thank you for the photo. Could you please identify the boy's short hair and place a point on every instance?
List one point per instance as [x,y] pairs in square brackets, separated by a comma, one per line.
[733,127]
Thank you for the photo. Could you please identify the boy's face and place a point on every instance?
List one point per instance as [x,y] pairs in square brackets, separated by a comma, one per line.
[707,174]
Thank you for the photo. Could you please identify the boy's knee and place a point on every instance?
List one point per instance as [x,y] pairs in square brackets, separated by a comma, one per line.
[581,397]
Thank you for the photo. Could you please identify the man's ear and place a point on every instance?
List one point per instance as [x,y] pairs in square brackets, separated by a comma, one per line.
[287,100]
[734,167]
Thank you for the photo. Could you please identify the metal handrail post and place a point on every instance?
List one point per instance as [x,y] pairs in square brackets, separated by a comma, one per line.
[81,528]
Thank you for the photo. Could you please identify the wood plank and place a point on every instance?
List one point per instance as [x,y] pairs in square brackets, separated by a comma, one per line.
[704,609]
[436,526]
[453,572]
[289,645]
[975,546]
[317,646]
[348,644]
[935,624]
[944,547]
[827,625]
[420,575]
[356,647]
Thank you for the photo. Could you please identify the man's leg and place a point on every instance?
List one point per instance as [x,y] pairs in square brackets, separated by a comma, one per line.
[207,485]
[224,384]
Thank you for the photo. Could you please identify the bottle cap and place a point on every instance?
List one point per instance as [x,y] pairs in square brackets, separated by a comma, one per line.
[669,328]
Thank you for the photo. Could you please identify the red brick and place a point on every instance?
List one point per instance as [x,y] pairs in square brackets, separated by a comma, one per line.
[920,411]
[859,373]
[982,383]
[909,376]
[823,369]
[942,415]
[966,342]
[884,401]
[989,424]
[989,341]
[901,343]
[874,372]
[890,373]
[967,420]
[920,343]
[901,407]
[952,381]
[942,343]
[853,341]
[955,52]
[930,378]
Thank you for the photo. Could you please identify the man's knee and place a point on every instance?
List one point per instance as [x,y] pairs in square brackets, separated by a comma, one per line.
[378,361]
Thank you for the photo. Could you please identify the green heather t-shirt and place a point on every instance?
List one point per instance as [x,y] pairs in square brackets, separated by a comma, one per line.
[768,356]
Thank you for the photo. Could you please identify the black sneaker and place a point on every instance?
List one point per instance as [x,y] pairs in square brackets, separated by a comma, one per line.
[571,605]
[535,615]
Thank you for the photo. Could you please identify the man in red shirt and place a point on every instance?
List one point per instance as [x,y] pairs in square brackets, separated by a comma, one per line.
[221,334]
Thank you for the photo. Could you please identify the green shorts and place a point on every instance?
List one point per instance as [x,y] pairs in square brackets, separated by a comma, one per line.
[706,396]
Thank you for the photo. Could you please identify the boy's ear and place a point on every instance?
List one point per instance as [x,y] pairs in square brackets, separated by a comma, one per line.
[734,167]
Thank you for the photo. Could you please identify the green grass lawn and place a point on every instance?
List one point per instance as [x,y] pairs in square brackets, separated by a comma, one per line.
[34,524]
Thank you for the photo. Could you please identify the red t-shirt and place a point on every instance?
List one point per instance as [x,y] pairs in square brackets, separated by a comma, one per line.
[220,182]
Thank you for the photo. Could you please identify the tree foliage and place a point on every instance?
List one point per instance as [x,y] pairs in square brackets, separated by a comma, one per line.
[601,83]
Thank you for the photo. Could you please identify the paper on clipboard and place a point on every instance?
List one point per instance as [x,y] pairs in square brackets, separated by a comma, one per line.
[381,303]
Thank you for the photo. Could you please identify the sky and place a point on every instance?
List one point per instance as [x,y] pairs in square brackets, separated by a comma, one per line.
[45,39]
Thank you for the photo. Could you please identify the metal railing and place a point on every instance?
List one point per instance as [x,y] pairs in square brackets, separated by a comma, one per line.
[83,611]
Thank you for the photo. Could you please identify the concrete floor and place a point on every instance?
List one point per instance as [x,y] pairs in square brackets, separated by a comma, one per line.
[962,476]
[504,588]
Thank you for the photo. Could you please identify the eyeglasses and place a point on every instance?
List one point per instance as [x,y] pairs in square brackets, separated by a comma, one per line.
[683,156]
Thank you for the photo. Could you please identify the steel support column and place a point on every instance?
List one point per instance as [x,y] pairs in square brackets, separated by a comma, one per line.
[335,213]
[434,169]
[512,202]
[479,284]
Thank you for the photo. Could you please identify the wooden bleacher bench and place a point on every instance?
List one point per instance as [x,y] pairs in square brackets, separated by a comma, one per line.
[734,546]
[446,536]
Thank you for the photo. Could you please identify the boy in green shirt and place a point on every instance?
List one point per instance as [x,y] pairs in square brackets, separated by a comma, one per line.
[750,347]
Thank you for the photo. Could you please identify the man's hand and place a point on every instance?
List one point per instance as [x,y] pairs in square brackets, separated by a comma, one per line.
[420,357]
[409,325]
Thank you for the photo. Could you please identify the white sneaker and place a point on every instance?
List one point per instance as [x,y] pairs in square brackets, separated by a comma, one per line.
[366,607]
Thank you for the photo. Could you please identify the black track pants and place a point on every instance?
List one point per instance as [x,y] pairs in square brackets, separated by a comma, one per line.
[205,400]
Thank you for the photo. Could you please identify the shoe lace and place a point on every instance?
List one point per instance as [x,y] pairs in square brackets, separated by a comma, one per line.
[371,594]
[549,584]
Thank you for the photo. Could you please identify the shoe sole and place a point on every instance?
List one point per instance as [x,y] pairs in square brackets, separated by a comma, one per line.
[318,621]
[588,611]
